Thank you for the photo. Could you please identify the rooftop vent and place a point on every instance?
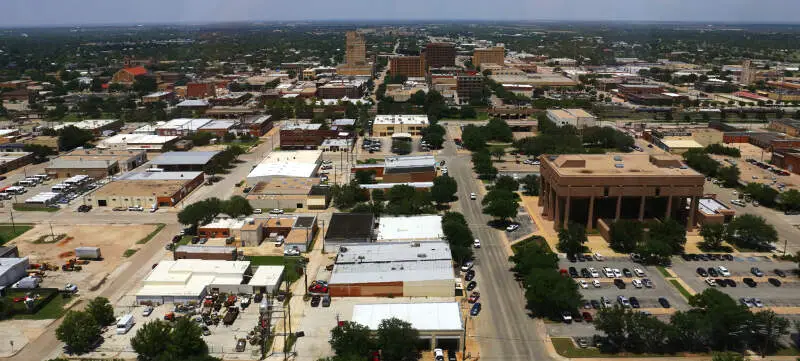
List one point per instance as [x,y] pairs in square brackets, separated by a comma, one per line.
[619,165]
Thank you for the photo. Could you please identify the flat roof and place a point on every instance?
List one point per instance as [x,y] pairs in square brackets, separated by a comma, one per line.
[283,185]
[62,163]
[711,206]
[184,158]
[183,176]
[297,163]
[395,252]
[189,277]
[185,123]
[157,188]
[8,263]
[639,165]
[139,139]
[427,227]
[419,119]
[193,103]
[257,119]
[428,316]
[11,156]
[350,225]
[219,124]
[102,154]
[390,185]
[266,276]
[409,161]
[681,143]
[301,126]
[87,124]
[225,223]
[401,271]
[193,248]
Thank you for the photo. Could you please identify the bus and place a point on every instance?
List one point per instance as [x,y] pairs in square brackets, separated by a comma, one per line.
[16,190]
[61,188]
[42,177]
[27,183]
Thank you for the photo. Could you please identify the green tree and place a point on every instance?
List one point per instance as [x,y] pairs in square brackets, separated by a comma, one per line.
[502,207]
[713,234]
[351,339]
[533,256]
[101,310]
[365,176]
[572,238]
[78,331]
[444,189]
[767,328]
[751,231]
[531,185]
[727,356]
[473,137]
[71,137]
[505,182]
[417,98]
[764,194]
[670,233]
[200,212]
[482,164]
[729,175]
[626,235]
[378,195]
[397,340]
[434,135]
[498,130]
[144,85]
[789,200]
[40,152]
[150,340]
[237,206]
[458,236]
[347,195]
[186,340]
[548,293]
[498,152]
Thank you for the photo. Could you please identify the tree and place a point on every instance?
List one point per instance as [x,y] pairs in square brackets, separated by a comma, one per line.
[351,339]
[144,85]
[101,310]
[378,195]
[767,329]
[751,231]
[434,135]
[186,340]
[71,137]
[444,189]
[500,204]
[727,356]
[713,234]
[150,340]
[365,176]
[789,200]
[764,194]
[531,185]
[498,152]
[533,256]
[670,233]
[397,340]
[482,164]
[347,195]
[548,293]
[498,130]
[572,238]
[473,137]
[237,206]
[40,152]
[79,331]
[626,235]
[458,236]
[200,212]
[505,182]
[729,175]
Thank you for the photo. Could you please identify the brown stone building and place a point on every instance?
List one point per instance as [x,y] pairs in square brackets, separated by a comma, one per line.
[466,85]
[588,188]
[409,66]
[200,90]
[128,75]
[493,55]
[401,169]
[306,136]
[438,55]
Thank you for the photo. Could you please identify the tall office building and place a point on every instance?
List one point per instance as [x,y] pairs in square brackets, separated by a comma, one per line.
[438,55]
[409,66]
[355,57]
[748,73]
[493,55]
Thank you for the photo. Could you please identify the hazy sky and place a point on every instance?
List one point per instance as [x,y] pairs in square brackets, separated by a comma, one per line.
[70,12]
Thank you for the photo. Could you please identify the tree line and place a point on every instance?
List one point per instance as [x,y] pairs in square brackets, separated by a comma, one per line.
[203,212]
[567,139]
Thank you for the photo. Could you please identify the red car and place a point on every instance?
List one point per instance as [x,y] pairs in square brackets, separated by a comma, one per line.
[587,317]
[474,297]
[318,288]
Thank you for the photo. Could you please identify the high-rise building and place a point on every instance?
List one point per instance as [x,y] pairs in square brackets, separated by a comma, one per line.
[355,57]
[748,73]
[440,54]
[466,85]
[410,66]
[493,55]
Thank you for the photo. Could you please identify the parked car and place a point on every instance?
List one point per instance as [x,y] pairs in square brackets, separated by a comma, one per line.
[595,304]
[619,283]
[664,303]
[473,196]
[476,309]
[585,273]
[634,302]
[315,300]
[749,281]
[573,272]
[566,316]
[710,281]
[240,345]
[757,302]
[469,275]
[587,317]
[276,211]
[147,310]
[724,271]
[474,297]
[598,256]
[721,282]
[326,301]
[476,243]
[627,272]
[83,208]
[583,284]
[774,281]
[471,285]
[747,302]
[594,272]
[582,342]
[779,273]
[605,302]
[136,208]
[638,272]
[702,272]
[257,211]
[712,272]
[647,283]
[467,266]
[624,302]
[637,283]
[596,283]
[512,227]
[731,283]
[756,272]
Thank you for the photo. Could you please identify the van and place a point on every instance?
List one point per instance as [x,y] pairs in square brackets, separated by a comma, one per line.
[124,324]
[26,183]
[42,177]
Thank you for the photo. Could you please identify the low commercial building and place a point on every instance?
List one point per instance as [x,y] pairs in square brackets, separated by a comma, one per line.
[257,125]
[407,229]
[338,89]
[400,169]
[416,269]
[218,127]
[221,253]
[711,211]
[787,158]
[286,164]
[346,229]
[267,279]
[221,227]
[289,192]
[439,323]
[308,135]
[577,118]
[183,161]
[97,169]
[388,124]
[182,126]
[12,270]
[677,145]
[96,126]
[790,127]
[145,142]
[162,96]
[164,189]
[189,280]
[590,188]
[303,231]
[126,160]
[13,160]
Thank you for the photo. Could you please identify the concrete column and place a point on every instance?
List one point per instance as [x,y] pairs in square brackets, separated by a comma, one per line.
[669,207]
[566,212]
[619,207]
[692,211]
[557,213]
[544,199]
[590,222]
[552,198]
[641,209]
[541,191]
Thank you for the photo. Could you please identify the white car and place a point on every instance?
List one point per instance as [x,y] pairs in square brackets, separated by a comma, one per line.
[594,272]
[711,282]
[512,227]
[757,302]
[257,211]
[147,310]
[467,266]
[636,283]
[598,256]
[71,288]
[291,252]
[608,272]
[276,211]
[583,284]
[596,283]
[473,196]
[476,243]
[617,273]
[638,271]
[724,271]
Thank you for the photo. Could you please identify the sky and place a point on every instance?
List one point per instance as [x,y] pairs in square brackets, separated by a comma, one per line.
[104,12]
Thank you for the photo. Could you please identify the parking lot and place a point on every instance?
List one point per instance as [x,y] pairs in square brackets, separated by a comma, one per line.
[385,148]
[786,295]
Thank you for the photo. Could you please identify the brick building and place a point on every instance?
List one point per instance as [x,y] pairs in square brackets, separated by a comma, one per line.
[128,75]
[409,66]
[200,90]
[466,85]
[307,136]
[493,55]
[438,55]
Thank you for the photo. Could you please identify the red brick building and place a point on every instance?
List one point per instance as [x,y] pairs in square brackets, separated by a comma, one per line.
[438,55]
[307,136]
[127,76]
[409,66]
[200,90]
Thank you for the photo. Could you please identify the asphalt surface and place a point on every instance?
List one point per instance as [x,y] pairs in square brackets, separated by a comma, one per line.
[504,329]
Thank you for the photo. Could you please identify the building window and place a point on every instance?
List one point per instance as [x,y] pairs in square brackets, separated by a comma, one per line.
[605,192]
[658,191]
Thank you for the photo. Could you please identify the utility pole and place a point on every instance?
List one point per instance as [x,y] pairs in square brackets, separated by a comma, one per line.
[13,225]
[464,338]
[785,241]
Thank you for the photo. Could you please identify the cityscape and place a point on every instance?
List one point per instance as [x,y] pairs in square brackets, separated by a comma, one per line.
[398,190]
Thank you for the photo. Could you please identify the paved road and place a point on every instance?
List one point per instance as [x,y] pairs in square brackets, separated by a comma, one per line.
[504,329]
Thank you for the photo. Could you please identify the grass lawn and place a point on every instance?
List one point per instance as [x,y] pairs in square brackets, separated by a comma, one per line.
[529,241]
[52,310]
[664,272]
[290,262]
[680,288]
[24,208]
[565,347]
[129,252]
[289,343]
[186,239]
[9,232]
[152,234]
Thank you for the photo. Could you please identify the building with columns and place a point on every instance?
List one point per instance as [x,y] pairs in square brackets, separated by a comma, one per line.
[586,188]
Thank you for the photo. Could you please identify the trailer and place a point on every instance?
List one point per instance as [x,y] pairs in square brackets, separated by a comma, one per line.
[87,252]
[230,316]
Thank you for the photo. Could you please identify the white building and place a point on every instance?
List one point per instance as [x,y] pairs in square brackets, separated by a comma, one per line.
[12,270]
[577,118]
[439,324]
[389,124]
[267,279]
[414,228]
[287,163]
[182,126]
[146,142]
[187,280]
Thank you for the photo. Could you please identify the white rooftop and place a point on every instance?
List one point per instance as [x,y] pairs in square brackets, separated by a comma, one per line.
[395,252]
[87,124]
[409,161]
[138,139]
[229,223]
[159,175]
[711,206]
[410,228]
[404,271]
[193,103]
[189,277]
[420,119]
[266,276]
[443,316]
[296,163]
[185,124]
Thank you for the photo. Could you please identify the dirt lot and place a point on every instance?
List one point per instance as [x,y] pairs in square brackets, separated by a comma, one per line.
[113,240]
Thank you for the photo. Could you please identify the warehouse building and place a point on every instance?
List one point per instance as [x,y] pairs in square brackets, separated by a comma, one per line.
[95,126]
[439,323]
[183,161]
[182,126]
[577,118]
[388,124]
[220,253]
[127,160]
[406,229]
[415,269]
[97,169]
[286,164]
[290,192]
[266,279]
[163,189]
[13,160]
[189,280]
[349,228]
[401,169]
[145,142]
[12,270]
